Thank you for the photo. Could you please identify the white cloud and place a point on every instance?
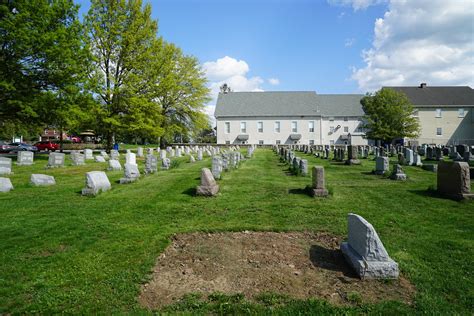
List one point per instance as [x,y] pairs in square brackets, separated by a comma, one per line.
[274,81]
[420,41]
[233,72]
[225,67]
[349,42]
[356,4]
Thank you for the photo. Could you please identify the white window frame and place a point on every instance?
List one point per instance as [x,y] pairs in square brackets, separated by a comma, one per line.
[346,119]
[260,127]
[311,141]
[461,112]
[294,126]
[227,127]
[440,129]
[311,126]
[243,127]
[260,142]
[278,142]
[439,113]
[277,126]
[346,129]
[331,129]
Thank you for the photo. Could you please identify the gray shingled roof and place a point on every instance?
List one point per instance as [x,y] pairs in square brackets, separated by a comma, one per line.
[287,103]
[445,96]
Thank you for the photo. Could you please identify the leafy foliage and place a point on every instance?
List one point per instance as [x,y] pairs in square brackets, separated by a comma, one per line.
[389,116]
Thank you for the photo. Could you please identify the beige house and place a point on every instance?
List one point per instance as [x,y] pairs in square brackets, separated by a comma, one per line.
[289,117]
[446,114]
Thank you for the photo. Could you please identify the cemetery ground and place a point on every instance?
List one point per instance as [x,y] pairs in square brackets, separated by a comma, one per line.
[63,252]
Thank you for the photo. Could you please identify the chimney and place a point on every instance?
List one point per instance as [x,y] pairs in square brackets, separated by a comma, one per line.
[423,85]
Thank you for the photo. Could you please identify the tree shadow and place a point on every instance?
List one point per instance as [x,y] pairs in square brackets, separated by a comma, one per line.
[330,259]
[190,192]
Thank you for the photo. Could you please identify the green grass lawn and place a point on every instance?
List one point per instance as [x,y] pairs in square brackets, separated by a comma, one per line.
[62,252]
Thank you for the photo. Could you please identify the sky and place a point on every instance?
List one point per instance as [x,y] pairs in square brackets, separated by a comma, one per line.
[327,46]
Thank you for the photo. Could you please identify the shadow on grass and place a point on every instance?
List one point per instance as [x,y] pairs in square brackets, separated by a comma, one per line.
[303,191]
[330,259]
[190,192]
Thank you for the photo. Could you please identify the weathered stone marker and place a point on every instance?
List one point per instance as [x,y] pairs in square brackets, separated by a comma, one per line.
[365,252]
[208,185]
[151,164]
[5,185]
[318,188]
[56,160]
[454,180]
[114,165]
[5,166]
[131,158]
[131,173]
[165,163]
[352,156]
[99,159]
[96,182]
[25,158]
[398,174]
[381,165]
[42,180]
[78,159]
[88,153]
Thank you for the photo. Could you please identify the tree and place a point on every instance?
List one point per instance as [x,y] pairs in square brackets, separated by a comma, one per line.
[389,116]
[43,62]
[180,91]
[122,35]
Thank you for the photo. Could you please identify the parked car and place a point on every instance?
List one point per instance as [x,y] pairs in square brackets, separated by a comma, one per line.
[47,145]
[5,147]
[22,146]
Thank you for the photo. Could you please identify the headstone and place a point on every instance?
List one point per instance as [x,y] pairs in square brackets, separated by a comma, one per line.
[191,158]
[104,154]
[42,180]
[165,164]
[88,153]
[409,156]
[352,156]
[401,159]
[208,185]
[99,159]
[139,152]
[398,174]
[468,156]
[381,165]
[56,160]
[318,188]
[454,180]
[216,167]
[114,165]
[96,182]
[365,252]
[417,160]
[199,155]
[151,164]
[78,159]
[5,185]
[304,167]
[131,173]
[25,158]
[131,158]
[114,154]
[162,154]
[429,153]
[5,166]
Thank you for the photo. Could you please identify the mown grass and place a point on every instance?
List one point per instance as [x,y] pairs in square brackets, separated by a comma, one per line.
[62,252]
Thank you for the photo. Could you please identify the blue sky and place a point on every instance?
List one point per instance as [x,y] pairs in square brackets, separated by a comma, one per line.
[327,46]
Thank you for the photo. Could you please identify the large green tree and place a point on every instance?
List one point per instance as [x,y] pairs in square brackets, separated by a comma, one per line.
[43,63]
[122,35]
[179,88]
[389,116]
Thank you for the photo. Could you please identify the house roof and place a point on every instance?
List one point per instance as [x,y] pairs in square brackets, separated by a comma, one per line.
[287,103]
[443,96]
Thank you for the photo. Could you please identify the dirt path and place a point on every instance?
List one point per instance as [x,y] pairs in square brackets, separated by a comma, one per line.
[300,265]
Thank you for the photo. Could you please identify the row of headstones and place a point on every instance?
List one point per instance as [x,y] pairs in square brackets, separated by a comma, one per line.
[297,165]
[224,162]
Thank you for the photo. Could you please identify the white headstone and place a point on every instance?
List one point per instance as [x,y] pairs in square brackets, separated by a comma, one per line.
[42,180]
[56,160]
[365,252]
[5,185]
[96,181]
[88,153]
[131,173]
[99,159]
[5,166]
[140,152]
[131,158]
[114,165]
[381,165]
[25,158]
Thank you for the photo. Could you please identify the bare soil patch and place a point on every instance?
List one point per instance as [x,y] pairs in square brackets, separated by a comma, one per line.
[298,264]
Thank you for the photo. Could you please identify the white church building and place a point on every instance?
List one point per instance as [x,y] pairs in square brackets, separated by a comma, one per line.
[289,117]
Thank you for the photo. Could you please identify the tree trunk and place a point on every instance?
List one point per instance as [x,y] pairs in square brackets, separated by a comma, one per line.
[60,139]
[162,142]
[109,142]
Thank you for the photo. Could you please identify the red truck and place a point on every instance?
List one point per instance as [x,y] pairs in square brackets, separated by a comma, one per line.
[47,145]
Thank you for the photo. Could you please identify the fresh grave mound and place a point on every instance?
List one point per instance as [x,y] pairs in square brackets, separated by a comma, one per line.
[299,264]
